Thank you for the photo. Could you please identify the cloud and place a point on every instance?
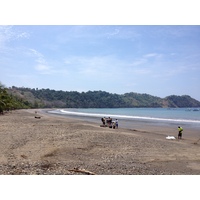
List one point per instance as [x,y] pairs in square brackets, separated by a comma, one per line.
[109,66]
[94,65]
[36,53]
[145,66]
[144,60]
[151,55]
[7,34]
[42,67]
[113,33]
[23,35]
[95,34]
[138,62]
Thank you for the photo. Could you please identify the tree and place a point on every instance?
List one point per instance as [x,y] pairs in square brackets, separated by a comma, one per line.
[9,101]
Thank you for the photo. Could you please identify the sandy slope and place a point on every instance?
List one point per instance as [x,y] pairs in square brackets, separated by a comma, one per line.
[58,145]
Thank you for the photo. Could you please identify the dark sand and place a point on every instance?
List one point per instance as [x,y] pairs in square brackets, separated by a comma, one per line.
[58,145]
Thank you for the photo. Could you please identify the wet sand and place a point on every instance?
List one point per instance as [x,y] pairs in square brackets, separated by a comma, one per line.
[160,127]
[55,144]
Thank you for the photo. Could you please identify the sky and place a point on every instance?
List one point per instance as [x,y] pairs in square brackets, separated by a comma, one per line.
[159,60]
[156,50]
[124,46]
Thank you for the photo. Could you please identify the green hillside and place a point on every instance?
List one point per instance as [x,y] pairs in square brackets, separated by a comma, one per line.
[47,98]
[8,101]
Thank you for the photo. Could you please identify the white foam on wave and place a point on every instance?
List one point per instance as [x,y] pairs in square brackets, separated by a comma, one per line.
[122,116]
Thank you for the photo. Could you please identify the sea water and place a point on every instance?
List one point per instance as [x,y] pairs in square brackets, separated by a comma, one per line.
[155,116]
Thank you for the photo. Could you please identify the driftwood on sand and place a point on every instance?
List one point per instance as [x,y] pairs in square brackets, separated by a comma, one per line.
[82,171]
[37,117]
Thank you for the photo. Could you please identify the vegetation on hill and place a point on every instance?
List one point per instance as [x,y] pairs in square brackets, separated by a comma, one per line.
[18,98]
[181,101]
[46,98]
[8,101]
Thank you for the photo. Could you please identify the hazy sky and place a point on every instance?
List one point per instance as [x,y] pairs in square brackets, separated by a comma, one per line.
[158,60]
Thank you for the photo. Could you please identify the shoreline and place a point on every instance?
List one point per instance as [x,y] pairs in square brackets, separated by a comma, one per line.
[61,145]
[137,124]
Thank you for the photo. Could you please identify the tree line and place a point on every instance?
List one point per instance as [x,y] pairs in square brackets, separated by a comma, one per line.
[10,102]
[47,98]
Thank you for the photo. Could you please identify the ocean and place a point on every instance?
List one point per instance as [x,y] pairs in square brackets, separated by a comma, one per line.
[127,116]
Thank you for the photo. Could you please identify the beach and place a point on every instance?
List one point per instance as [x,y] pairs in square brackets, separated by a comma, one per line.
[53,144]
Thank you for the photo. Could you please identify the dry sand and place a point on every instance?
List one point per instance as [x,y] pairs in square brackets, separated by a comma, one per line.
[60,145]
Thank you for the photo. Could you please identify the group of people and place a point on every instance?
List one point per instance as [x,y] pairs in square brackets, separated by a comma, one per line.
[108,122]
[114,124]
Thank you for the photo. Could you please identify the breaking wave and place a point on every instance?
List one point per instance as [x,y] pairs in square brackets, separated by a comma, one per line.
[65,112]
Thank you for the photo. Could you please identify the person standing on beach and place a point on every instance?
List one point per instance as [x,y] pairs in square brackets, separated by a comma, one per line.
[180,130]
[109,122]
[113,124]
[116,123]
[103,121]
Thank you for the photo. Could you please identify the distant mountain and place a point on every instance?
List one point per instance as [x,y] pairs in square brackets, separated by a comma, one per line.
[46,98]
[181,101]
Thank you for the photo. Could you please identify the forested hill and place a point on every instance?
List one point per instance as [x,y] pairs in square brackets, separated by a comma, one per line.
[10,102]
[46,98]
